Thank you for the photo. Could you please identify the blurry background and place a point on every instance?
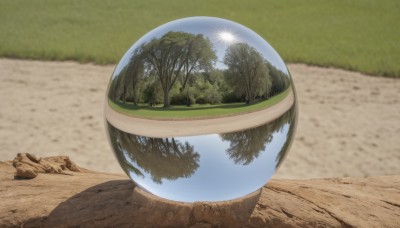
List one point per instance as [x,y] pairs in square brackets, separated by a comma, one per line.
[349,122]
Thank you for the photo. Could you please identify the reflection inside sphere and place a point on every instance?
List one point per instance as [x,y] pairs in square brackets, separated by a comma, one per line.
[194,62]
[211,167]
[200,109]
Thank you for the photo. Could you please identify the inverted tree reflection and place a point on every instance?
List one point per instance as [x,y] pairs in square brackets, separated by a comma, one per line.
[162,158]
[247,145]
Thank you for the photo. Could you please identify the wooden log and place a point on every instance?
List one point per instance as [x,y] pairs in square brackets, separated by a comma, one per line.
[92,199]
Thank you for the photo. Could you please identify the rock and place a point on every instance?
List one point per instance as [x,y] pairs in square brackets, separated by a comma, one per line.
[28,165]
[90,199]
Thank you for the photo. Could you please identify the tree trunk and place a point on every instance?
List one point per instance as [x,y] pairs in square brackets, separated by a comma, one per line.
[166,98]
[184,84]
[84,198]
[124,94]
[188,99]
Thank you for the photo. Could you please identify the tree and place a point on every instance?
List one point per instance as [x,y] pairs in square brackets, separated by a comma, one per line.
[162,158]
[134,73]
[126,165]
[247,72]
[151,93]
[246,145]
[280,80]
[174,52]
[201,56]
[116,87]
[126,85]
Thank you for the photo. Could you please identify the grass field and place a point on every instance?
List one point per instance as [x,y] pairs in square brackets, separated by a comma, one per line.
[359,35]
[197,111]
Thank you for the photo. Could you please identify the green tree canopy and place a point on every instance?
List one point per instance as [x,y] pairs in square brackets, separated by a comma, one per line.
[246,145]
[174,53]
[247,72]
[280,80]
[200,56]
[162,158]
[127,84]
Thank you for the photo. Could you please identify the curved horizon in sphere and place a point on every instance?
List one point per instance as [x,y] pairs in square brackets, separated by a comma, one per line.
[201,109]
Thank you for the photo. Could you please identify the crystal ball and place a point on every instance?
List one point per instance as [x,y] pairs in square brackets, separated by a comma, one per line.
[200,109]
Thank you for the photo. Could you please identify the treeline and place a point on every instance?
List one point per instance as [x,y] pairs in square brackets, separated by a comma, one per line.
[178,69]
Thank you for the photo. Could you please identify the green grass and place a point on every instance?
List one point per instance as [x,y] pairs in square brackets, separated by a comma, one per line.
[359,35]
[196,111]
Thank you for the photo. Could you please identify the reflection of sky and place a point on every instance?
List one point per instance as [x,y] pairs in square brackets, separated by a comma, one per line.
[218,177]
[211,28]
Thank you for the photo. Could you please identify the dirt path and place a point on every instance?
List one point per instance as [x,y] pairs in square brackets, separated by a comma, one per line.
[349,123]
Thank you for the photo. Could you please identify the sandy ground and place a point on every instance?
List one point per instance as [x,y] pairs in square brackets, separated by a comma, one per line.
[349,123]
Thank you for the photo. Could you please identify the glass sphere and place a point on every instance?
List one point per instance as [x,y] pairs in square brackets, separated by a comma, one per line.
[200,109]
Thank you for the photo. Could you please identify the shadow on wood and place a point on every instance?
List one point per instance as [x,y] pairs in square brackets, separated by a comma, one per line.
[121,203]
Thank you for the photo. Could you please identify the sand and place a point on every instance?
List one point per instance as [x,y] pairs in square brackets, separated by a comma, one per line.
[349,123]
